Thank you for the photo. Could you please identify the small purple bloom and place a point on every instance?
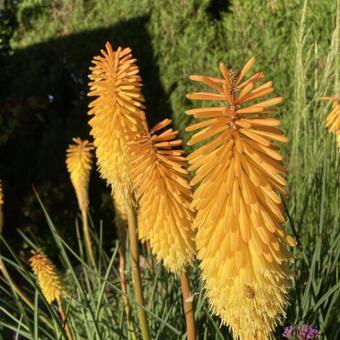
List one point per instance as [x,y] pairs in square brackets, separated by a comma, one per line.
[301,332]
[308,332]
[288,332]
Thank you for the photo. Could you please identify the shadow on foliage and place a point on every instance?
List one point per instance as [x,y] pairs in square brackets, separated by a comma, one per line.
[217,7]
[43,104]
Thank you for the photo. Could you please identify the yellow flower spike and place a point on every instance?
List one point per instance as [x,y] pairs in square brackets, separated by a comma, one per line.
[240,239]
[333,118]
[48,278]
[165,216]
[117,113]
[1,204]
[117,116]
[79,161]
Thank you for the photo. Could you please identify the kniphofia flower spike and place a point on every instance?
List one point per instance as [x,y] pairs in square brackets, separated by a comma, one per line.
[240,176]
[48,278]
[117,116]
[79,161]
[117,113]
[165,215]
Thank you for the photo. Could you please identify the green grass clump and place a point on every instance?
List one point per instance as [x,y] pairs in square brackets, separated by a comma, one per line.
[93,305]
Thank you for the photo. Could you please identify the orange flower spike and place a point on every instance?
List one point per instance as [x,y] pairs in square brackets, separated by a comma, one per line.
[239,172]
[49,279]
[117,113]
[165,215]
[78,162]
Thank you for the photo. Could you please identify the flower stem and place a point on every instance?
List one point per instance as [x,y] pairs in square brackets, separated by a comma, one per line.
[87,237]
[149,258]
[122,278]
[66,326]
[188,308]
[136,278]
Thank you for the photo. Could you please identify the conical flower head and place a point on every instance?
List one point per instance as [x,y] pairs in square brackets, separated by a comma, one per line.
[165,215]
[333,119]
[79,162]
[117,112]
[240,239]
[48,278]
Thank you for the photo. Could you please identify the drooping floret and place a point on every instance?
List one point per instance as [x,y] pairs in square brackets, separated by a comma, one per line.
[165,215]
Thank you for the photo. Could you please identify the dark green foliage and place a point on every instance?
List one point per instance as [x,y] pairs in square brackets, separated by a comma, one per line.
[7,25]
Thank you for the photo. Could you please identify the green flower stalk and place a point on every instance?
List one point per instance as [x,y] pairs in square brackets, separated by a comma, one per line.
[78,161]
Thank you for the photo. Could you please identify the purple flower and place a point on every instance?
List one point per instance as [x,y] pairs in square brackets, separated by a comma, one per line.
[308,332]
[289,332]
[301,332]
